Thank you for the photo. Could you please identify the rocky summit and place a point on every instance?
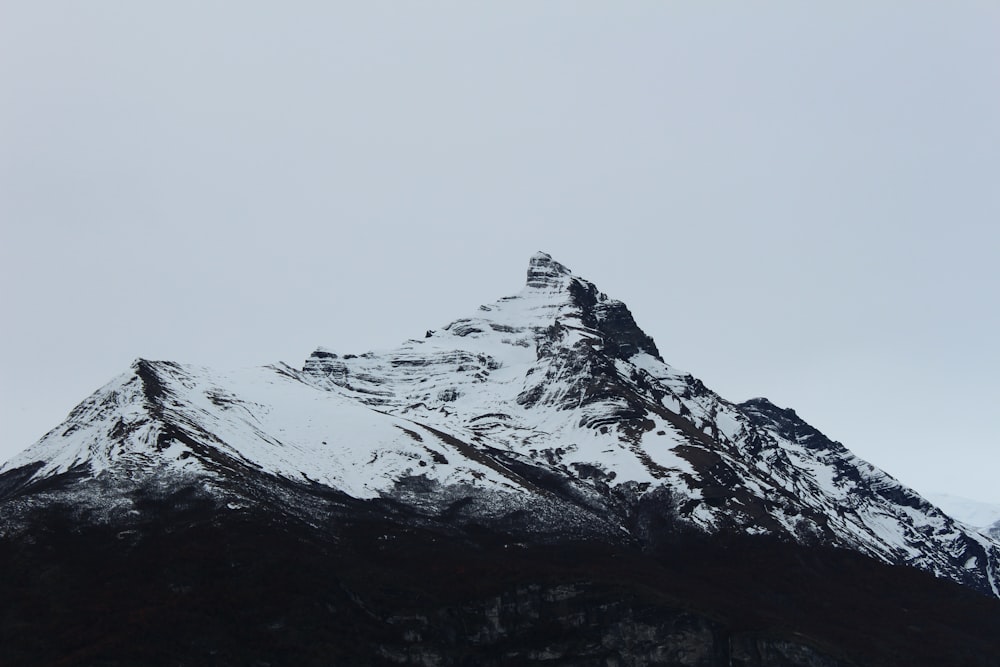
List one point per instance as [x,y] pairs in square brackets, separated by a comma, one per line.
[531,484]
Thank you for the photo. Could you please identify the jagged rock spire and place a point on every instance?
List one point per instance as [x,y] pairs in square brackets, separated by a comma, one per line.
[623,337]
[546,273]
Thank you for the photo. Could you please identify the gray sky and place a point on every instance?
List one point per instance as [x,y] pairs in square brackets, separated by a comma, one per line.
[795,202]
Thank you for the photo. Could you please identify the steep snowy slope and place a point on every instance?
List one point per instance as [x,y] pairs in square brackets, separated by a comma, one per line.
[549,412]
[981,516]
[165,419]
[992,530]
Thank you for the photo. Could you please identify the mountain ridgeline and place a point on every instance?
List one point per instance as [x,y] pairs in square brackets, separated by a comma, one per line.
[532,484]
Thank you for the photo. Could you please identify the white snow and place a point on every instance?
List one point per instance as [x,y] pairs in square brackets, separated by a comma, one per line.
[971,512]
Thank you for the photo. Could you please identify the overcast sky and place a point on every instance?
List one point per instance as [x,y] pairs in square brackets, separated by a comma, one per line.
[795,202]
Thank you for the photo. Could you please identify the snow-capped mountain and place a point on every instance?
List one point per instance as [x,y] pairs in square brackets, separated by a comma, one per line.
[984,517]
[547,413]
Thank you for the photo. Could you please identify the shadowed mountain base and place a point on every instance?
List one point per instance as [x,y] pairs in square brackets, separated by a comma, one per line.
[198,587]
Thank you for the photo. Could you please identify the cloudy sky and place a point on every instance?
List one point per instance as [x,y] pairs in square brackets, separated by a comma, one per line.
[795,202]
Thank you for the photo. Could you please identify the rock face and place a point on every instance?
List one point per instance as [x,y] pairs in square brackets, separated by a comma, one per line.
[547,443]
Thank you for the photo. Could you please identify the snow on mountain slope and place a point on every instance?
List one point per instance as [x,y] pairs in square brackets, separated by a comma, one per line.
[549,399]
[974,513]
[992,530]
[165,419]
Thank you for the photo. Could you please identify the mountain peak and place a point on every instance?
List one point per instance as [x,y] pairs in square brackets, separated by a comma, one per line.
[546,273]
[545,412]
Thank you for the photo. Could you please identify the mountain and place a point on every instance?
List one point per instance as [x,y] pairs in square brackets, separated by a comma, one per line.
[985,517]
[535,473]
[992,530]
